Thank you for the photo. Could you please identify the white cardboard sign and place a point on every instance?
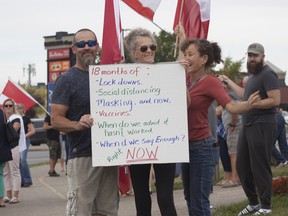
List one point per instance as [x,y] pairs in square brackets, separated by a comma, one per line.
[140,114]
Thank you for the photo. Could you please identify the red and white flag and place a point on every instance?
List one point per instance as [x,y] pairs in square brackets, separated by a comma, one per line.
[194,15]
[112,44]
[146,8]
[18,94]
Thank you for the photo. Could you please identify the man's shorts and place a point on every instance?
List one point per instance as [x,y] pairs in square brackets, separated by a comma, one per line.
[232,139]
[54,149]
[91,189]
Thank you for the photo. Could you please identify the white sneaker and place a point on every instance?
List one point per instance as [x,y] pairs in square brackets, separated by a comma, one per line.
[249,209]
[263,211]
[280,165]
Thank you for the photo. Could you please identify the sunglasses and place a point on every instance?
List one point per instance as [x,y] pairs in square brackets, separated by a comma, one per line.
[144,48]
[82,44]
[8,105]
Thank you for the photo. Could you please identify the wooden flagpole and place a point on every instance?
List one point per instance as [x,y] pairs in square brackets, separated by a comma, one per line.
[177,38]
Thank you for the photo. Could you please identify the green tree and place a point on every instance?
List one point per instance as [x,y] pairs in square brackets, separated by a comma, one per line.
[165,47]
[232,69]
[98,56]
[127,54]
[40,95]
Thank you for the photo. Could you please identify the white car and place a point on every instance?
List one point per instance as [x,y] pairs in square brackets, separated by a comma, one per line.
[285,115]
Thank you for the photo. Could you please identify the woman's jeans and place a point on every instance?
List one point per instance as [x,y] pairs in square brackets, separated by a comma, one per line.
[197,175]
[24,168]
[280,136]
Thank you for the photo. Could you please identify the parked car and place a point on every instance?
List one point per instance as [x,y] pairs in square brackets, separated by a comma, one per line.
[285,115]
[40,134]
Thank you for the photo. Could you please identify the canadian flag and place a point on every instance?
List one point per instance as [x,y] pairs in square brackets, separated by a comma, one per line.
[194,15]
[18,94]
[146,8]
[112,52]
[112,44]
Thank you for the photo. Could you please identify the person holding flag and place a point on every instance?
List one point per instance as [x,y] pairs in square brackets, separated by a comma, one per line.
[142,46]
[91,190]
[198,57]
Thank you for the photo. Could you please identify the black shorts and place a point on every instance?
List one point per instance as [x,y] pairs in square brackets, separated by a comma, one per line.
[54,149]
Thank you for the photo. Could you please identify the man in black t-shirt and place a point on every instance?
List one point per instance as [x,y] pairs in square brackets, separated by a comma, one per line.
[257,135]
[53,142]
[91,190]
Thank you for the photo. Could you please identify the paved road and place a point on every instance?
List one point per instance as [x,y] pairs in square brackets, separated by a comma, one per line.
[38,154]
[47,196]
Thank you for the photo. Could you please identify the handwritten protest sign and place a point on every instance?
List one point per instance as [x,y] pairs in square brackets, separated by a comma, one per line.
[140,114]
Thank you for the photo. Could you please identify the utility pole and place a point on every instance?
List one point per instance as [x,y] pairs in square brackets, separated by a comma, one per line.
[31,70]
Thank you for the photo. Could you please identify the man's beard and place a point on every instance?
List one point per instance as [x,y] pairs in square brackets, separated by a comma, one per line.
[255,68]
[87,59]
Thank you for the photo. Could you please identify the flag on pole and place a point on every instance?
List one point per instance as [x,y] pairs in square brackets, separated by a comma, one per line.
[112,44]
[194,15]
[18,94]
[146,8]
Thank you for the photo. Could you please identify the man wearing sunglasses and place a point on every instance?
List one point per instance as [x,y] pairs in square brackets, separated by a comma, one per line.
[92,190]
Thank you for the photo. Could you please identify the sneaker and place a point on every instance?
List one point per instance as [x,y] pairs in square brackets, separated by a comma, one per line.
[229,184]
[286,163]
[263,211]
[249,209]
[280,165]
[53,174]
[26,185]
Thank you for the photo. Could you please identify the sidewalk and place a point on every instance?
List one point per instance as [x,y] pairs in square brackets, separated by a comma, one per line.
[42,147]
[47,196]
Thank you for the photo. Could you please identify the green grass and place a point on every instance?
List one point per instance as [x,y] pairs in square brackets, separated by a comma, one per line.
[279,207]
[279,203]
[38,164]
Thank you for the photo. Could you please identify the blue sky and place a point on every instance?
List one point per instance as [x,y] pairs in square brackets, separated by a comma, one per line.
[233,24]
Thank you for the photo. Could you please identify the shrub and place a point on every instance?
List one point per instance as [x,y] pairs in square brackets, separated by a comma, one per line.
[280,186]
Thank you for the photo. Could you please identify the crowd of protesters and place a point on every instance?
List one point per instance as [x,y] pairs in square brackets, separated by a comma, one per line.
[247,134]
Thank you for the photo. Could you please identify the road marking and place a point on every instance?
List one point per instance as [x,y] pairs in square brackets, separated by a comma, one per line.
[41,179]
